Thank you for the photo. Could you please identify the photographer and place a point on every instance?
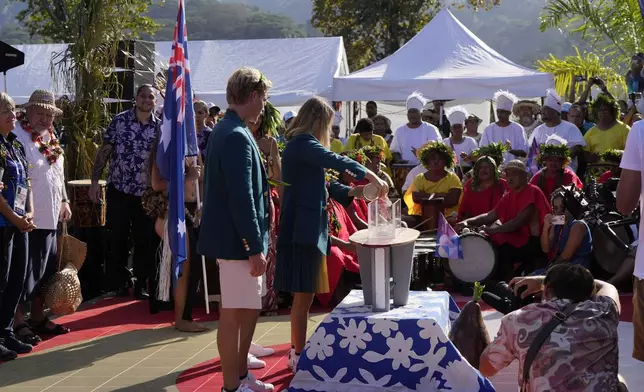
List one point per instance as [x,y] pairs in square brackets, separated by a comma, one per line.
[580,353]
[565,238]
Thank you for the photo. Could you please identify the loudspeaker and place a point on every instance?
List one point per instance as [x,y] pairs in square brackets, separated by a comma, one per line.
[10,57]
[135,55]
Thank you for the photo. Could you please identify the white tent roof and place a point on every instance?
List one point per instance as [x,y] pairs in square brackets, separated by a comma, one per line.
[298,67]
[444,60]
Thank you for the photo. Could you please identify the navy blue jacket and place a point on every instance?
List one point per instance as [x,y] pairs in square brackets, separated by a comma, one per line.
[235,219]
[304,217]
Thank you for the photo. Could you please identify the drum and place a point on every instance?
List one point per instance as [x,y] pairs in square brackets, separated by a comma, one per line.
[400,171]
[480,259]
[86,213]
[607,253]
[432,208]
[424,268]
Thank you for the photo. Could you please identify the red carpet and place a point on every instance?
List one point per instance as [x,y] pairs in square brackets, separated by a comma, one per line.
[207,375]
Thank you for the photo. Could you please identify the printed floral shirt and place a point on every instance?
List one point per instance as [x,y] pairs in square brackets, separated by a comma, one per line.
[580,356]
[132,144]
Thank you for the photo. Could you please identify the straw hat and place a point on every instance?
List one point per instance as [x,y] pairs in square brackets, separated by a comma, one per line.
[525,103]
[516,165]
[474,117]
[44,99]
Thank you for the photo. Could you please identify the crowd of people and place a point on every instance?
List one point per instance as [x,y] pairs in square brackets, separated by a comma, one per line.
[282,194]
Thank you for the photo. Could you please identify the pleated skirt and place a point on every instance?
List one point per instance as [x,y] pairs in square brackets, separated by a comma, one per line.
[301,268]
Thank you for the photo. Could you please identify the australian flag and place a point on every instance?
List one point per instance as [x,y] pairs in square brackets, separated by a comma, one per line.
[178,138]
[533,156]
[449,243]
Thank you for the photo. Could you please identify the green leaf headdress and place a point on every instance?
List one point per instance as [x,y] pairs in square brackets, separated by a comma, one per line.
[555,146]
[477,166]
[272,120]
[493,150]
[612,156]
[371,151]
[357,155]
[436,147]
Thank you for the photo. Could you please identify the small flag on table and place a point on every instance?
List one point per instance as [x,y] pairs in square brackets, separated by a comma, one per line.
[533,157]
[449,243]
[178,139]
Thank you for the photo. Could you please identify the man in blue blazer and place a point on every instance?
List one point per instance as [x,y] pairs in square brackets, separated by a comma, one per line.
[235,222]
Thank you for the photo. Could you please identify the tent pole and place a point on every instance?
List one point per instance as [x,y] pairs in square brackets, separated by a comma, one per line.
[5,81]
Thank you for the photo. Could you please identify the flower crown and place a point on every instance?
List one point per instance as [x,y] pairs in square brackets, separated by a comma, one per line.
[436,147]
[493,150]
[553,150]
[357,155]
[612,155]
[370,151]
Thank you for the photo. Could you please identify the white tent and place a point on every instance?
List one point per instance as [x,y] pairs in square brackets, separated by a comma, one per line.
[298,67]
[444,60]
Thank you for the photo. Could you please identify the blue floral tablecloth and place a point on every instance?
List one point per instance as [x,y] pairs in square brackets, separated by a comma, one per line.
[405,349]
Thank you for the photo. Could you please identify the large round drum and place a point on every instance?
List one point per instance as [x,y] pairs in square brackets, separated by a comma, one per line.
[479,259]
[610,256]
[86,213]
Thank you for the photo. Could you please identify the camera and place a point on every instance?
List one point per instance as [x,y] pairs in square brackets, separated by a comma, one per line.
[634,97]
[501,297]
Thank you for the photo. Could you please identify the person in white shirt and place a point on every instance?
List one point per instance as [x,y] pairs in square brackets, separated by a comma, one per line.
[554,125]
[413,173]
[411,136]
[506,131]
[527,113]
[630,191]
[47,174]
[461,145]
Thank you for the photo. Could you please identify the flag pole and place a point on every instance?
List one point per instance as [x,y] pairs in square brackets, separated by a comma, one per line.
[203,258]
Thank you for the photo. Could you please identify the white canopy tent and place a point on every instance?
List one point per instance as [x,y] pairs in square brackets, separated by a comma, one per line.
[444,60]
[298,67]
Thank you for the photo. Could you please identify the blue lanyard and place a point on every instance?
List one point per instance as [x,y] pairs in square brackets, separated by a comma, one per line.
[21,172]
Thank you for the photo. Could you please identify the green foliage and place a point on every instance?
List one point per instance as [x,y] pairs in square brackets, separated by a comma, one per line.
[613,27]
[587,65]
[478,291]
[436,148]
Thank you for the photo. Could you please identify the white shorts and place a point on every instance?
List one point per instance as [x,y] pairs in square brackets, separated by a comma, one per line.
[240,290]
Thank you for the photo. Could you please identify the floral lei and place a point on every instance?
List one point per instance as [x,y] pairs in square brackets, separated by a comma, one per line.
[334,223]
[50,150]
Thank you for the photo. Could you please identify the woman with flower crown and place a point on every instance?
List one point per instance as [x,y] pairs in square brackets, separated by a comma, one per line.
[35,130]
[554,156]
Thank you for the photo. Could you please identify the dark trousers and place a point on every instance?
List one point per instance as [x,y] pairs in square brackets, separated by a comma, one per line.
[529,255]
[125,216]
[13,267]
[196,272]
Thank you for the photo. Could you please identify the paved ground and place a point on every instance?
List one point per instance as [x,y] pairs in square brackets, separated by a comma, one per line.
[118,346]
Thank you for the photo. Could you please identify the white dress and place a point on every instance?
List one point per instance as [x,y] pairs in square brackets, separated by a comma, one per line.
[514,132]
[47,181]
[467,146]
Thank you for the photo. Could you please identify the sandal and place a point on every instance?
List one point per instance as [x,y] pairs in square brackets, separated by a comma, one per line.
[25,334]
[41,327]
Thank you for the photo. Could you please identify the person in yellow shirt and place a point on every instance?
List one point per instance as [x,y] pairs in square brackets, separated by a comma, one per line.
[437,181]
[609,133]
[364,137]
[336,143]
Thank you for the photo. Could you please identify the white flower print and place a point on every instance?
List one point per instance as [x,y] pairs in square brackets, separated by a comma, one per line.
[320,345]
[383,326]
[428,328]
[399,351]
[428,383]
[354,336]
[461,376]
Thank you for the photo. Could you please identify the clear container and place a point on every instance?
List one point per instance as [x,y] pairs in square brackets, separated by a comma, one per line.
[384,219]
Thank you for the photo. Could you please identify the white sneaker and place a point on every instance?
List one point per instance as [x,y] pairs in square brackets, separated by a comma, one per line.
[260,351]
[254,385]
[292,360]
[254,363]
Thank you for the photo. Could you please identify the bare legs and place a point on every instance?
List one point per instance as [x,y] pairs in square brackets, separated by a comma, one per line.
[234,335]
[299,319]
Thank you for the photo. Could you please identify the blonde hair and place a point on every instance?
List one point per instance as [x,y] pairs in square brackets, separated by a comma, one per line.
[6,101]
[243,82]
[315,117]
[202,104]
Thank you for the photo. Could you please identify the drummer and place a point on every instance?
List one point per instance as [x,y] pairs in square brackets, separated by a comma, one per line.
[482,192]
[411,136]
[554,156]
[438,181]
[515,223]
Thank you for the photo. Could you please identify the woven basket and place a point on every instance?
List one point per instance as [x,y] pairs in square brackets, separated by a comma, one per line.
[63,294]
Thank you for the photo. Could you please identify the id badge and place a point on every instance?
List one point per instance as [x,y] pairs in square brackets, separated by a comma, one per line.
[21,199]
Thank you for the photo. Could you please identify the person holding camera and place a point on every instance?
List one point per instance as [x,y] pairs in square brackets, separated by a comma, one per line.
[567,342]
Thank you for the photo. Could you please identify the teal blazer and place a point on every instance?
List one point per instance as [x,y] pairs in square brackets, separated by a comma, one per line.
[304,217]
[235,219]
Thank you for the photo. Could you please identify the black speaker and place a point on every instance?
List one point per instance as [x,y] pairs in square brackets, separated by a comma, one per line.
[10,57]
[135,55]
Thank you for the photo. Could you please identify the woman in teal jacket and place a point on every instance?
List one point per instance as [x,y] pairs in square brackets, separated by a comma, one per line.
[303,238]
